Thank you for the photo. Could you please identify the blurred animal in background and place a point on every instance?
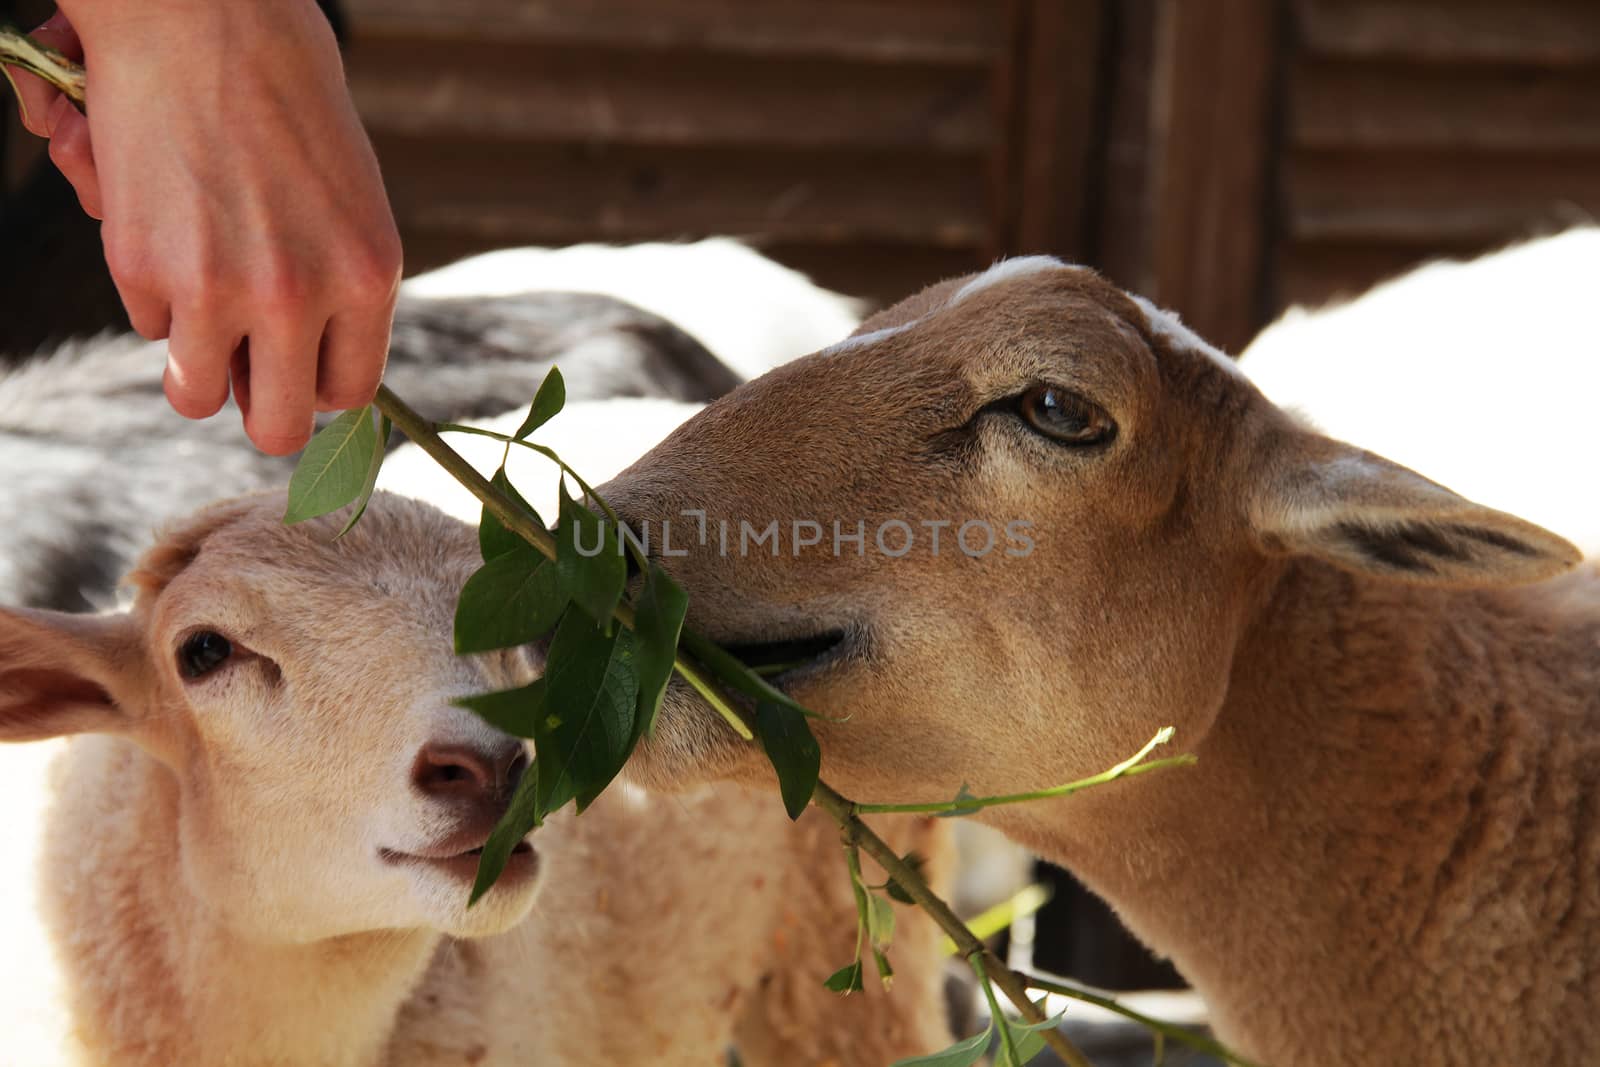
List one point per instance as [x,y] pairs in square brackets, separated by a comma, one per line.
[1467,371]
[94,459]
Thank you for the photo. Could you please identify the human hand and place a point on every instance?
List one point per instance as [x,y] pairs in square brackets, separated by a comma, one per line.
[244,215]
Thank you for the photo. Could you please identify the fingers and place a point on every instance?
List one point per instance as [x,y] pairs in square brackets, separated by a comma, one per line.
[278,378]
[196,378]
[72,153]
[354,350]
[35,95]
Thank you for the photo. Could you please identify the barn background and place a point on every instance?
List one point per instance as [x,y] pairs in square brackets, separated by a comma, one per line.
[1227,157]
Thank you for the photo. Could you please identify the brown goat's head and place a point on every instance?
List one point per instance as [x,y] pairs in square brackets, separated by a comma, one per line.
[1020,519]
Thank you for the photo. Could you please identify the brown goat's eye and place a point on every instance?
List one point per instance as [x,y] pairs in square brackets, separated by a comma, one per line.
[203,652]
[1065,416]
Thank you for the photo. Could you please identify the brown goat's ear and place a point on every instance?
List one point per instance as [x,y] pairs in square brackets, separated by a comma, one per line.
[1321,498]
[66,674]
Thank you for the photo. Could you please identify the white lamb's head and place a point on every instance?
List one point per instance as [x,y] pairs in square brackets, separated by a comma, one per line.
[296,694]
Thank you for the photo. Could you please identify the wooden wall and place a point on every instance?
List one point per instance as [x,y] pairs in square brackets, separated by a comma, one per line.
[1227,157]
[857,138]
[1416,127]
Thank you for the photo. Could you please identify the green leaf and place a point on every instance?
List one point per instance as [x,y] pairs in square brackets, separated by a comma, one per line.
[961,1054]
[962,794]
[514,598]
[592,579]
[880,921]
[896,891]
[333,468]
[512,711]
[657,621]
[547,403]
[513,826]
[384,426]
[1028,1039]
[493,536]
[845,979]
[787,739]
[586,730]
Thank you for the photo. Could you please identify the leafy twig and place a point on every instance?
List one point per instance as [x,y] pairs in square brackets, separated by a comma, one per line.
[423,433]
[916,887]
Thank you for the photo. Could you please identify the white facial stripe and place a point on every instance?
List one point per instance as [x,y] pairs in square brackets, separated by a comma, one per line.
[1006,268]
[1166,324]
[864,339]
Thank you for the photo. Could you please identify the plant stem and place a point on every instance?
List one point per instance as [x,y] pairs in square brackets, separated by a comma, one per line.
[844,812]
[19,50]
[997,1017]
[421,432]
[965,805]
[1180,1034]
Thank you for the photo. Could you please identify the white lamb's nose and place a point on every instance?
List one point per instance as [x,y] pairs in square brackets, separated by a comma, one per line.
[469,772]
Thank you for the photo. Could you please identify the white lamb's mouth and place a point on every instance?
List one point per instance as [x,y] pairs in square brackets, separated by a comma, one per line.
[445,854]
[787,655]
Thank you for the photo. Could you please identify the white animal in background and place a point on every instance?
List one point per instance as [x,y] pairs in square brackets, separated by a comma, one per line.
[1485,375]
[257,849]
[751,312]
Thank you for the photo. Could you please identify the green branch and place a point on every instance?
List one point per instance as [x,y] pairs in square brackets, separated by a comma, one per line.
[426,436]
[967,805]
[1181,1034]
[21,51]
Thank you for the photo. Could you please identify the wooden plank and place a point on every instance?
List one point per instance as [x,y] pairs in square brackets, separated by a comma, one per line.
[1537,33]
[963,32]
[1210,130]
[882,273]
[552,195]
[519,92]
[1383,106]
[1122,228]
[1412,197]
[1054,126]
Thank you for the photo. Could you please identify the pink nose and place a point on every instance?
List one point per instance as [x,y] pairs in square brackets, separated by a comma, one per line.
[469,772]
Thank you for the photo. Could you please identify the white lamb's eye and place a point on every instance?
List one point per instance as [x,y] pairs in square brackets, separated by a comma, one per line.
[203,652]
[1064,416]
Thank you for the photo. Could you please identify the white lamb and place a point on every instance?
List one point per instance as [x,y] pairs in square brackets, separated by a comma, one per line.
[258,849]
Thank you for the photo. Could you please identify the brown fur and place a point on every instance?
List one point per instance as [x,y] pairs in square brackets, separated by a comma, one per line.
[1386,853]
[209,876]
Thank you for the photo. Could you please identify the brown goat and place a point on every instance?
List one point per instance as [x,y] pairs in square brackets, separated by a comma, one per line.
[1389,852]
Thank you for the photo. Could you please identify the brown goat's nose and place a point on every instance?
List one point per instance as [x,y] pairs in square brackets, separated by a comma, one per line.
[443,770]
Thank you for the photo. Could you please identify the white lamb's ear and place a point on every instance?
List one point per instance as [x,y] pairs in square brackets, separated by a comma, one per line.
[1321,498]
[65,674]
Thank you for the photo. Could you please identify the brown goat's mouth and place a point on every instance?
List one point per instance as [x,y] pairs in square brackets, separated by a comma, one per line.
[788,655]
